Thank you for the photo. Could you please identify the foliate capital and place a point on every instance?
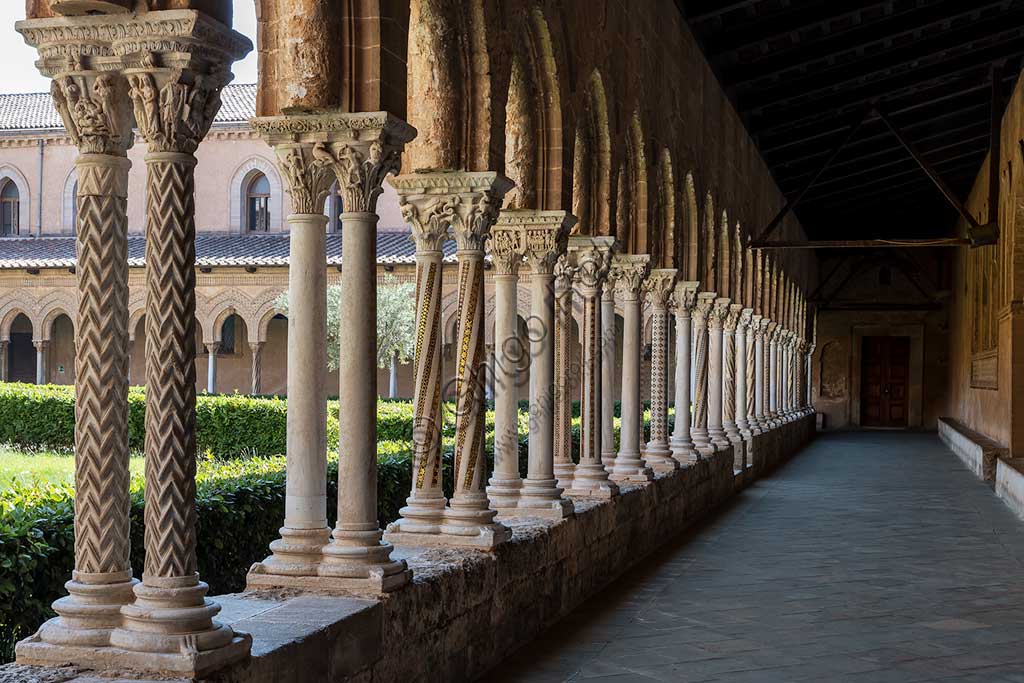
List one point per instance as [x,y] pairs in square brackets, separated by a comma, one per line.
[590,256]
[732,317]
[719,312]
[746,315]
[307,174]
[629,271]
[703,308]
[358,149]
[684,295]
[466,201]
[660,286]
[755,326]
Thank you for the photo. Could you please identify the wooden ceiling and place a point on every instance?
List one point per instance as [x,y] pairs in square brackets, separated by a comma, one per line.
[802,73]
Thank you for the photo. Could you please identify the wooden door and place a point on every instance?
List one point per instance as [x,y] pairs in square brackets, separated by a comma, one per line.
[885,379]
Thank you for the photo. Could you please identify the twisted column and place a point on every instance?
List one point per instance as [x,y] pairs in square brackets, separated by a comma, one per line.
[256,370]
[469,519]
[564,371]
[699,433]
[506,247]
[761,378]
[729,380]
[742,375]
[357,556]
[683,299]
[716,322]
[753,375]
[544,238]
[659,288]
[591,256]
[629,272]
[609,349]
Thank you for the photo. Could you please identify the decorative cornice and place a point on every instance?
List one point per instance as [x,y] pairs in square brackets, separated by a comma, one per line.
[330,127]
[629,272]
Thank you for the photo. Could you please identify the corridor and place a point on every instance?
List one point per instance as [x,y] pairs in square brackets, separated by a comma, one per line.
[869,557]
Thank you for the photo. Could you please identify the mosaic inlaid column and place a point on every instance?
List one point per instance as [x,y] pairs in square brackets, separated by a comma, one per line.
[544,240]
[566,373]
[469,519]
[174,109]
[506,247]
[256,369]
[97,116]
[629,272]
[729,374]
[683,300]
[371,148]
[716,322]
[699,432]
[591,258]
[305,165]
[659,289]
[609,354]
[743,356]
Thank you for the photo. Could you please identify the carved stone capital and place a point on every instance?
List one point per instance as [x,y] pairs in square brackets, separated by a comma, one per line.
[719,312]
[467,202]
[358,149]
[703,307]
[96,111]
[732,317]
[506,246]
[746,316]
[565,271]
[590,257]
[543,234]
[307,173]
[630,271]
[174,109]
[756,327]
[659,287]
[684,295]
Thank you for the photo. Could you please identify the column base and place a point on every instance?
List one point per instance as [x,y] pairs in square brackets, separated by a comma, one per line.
[543,498]
[630,468]
[504,493]
[659,457]
[608,460]
[297,552]
[591,481]
[564,472]
[469,521]
[90,611]
[423,514]
[359,557]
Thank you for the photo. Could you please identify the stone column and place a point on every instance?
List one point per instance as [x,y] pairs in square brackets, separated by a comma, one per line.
[564,371]
[212,348]
[101,579]
[629,272]
[171,619]
[760,326]
[716,321]
[609,350]
[488,382]
[3,359]
[42,371]
[809,381]
[729,379]
[506,246]
[256,349]
[699,432]
[771,405]
[753,385]
[297,553]
[744,366]
[660,287]
[469,519]
[544,240]
[368,149]
[683,300]
[591,257]
[426,200]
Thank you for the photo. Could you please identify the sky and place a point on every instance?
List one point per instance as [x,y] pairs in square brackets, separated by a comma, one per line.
[17,60]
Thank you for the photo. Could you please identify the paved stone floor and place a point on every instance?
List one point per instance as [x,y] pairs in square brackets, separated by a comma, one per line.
[868,557]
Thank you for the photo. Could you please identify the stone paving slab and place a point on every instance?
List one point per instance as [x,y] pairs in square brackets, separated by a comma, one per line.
[871,557]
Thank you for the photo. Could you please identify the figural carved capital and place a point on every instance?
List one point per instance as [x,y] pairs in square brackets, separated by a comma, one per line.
[719,312]
[96,111]
[755,326]
[174,108]
[542,235]
[630,271]
[684,296]
[506,247]
[732,317]
[358,149]
[467,202]
[564,271]
[660,286]
[746,316]
[590,258]
[702,309]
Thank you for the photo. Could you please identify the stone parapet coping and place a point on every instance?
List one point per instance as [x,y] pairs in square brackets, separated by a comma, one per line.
[978,452]
[466,611]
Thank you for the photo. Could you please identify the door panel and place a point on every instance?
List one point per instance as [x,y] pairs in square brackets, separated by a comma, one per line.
[885,378]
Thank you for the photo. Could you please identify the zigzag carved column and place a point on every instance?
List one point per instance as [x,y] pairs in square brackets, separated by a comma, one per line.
[753,327]
[629,272]
[699,433]
[659,288]
[95,112]
[683,300]
[170,625]
[590,257]
[565,372]
[256,369]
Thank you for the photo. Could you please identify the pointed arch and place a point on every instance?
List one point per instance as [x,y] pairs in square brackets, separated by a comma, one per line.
[663,249]
[636,156]
[724,239]
[706,246]
[691,226]
[521,137]
[591,178]
[551,152]
[10,173]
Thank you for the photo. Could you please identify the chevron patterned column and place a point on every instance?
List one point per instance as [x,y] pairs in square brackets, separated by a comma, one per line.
[256,369]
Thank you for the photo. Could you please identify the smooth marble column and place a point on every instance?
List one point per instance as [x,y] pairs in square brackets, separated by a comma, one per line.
[42,371]
[773,375]
[684,299]
[760,374]
[565,377]
[629,272]
[591,259]
[609,351]
[716,322]
[699,432]
[212,349]
[659,288]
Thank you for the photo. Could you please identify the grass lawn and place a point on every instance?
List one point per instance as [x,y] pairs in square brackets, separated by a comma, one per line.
[54,468]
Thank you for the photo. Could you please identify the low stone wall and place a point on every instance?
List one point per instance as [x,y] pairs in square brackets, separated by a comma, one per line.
[466,610]
[1010,483]
[978,452]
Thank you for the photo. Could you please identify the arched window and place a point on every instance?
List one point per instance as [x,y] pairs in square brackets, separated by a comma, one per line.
[9,209]
[257,201]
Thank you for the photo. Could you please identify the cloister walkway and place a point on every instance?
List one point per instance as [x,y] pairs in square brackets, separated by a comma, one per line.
[868,557]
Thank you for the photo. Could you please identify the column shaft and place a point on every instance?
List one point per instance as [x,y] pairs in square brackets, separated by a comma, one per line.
[3,360]
[504,486]
[699,432]
[564,373]
[716,320]
[609,351]
[682,444]
[256,371]
[211,367]
[41,369]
